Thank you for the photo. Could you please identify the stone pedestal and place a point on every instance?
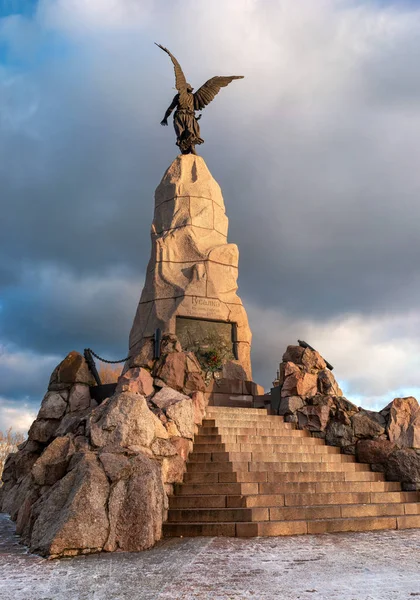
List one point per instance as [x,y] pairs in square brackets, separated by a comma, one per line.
[193,270]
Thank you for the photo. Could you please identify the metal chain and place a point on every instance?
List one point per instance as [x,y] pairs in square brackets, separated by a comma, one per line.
[111,362]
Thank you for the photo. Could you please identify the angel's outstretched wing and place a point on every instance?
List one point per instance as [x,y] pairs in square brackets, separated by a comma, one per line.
[180,81]
[207,92]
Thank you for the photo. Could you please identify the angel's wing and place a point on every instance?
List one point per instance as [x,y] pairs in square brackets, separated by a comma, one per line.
[207,92]
[180,81]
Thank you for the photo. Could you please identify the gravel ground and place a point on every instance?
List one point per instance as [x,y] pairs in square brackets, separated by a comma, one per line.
[355,566]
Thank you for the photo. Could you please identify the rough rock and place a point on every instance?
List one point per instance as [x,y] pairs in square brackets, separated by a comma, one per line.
[404,422]
[339,434]
[313,361]
[374,451]
[182,413]
[366,427]
[327,384]
[162,447]
[167,396]
[173,469]
[79,398]
[199,401]
[193,271]
[290,405]
[293,354]
[300,384]
[137,381]
[136,507]
[53,406]
[43,430]
[53,462]
[182,446]
[403,465]
[72,516]
[73,369]
[313,418]
[126,421]
[116,466]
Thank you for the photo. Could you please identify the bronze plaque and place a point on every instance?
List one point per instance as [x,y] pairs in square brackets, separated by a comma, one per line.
[201,335]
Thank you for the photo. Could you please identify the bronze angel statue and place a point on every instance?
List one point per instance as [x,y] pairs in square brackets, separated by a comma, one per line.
[186,103]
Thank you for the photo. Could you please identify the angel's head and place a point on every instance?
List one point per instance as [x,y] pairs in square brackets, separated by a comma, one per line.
[190,88]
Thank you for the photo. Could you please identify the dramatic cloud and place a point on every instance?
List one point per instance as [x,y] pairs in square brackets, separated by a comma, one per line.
[315,150]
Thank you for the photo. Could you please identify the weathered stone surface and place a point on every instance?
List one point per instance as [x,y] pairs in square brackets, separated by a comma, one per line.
[79,398]
[126,421]
[71,423]
[327,384]
[233,370]
[173,469]
[293,354]
[182,413]
[313,418]
[162,447]
[137,381]
[313,361]
[366,427]
[404,422]
[136,507]
[43,430]
[144,355]
[53,405]
[73,369]
[172,370]
[374,451]
[116,466]
[339,434]
[72,516]
[300,384]
[193,270]
[167,396]
[290,405]
[53,462]
[199,401]
[403,465]
[182,446]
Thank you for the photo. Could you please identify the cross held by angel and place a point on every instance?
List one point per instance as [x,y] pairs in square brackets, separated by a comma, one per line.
[186,104]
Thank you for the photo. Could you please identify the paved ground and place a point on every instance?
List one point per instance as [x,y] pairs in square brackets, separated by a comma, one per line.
[363,566]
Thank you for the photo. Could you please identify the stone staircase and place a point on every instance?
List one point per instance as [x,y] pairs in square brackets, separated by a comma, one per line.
[252,474]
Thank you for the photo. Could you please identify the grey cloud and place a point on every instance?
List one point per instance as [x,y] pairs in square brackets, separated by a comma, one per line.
[315,151]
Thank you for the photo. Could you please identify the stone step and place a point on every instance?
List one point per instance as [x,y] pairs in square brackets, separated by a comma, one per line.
[279,528]
[201,439]
[232,411]
[246,421]
[276,477]
[205,515]
[311,499]
[271,457]
[304,489]
[302,513]
[231,497]
[279,431]
[275,467]
[267,448]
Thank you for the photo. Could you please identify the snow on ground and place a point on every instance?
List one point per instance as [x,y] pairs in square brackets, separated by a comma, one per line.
[381,565]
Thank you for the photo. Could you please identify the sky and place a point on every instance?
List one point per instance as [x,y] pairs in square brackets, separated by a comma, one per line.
[316,151]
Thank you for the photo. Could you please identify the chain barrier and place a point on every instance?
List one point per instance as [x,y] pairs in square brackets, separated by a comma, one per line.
[110,362]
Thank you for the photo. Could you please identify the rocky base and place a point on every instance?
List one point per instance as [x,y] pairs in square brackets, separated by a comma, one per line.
[92,478]
[389,440]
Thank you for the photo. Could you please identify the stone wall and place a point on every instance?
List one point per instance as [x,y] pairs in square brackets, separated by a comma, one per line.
[389,440]
[92,478]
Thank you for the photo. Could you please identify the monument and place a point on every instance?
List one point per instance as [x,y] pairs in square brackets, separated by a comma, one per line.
[191,280]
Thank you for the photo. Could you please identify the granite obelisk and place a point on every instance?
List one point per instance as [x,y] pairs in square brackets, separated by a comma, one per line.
[193,270]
